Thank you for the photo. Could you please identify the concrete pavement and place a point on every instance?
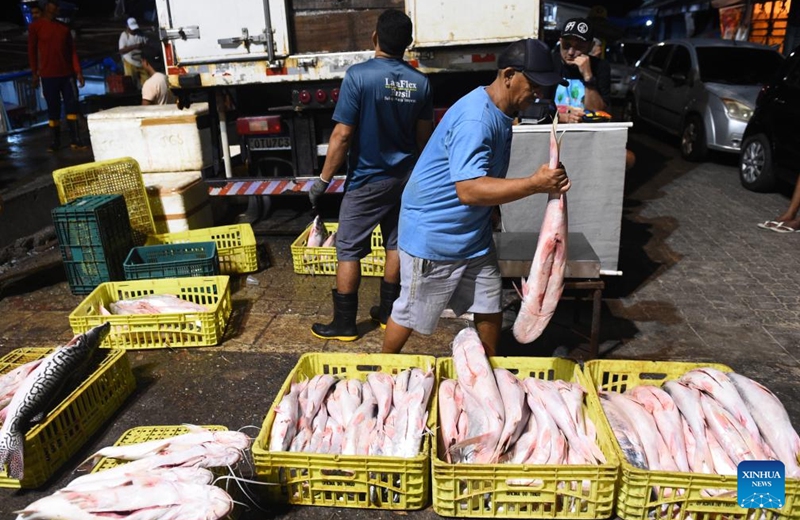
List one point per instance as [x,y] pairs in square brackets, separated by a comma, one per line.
[700,283]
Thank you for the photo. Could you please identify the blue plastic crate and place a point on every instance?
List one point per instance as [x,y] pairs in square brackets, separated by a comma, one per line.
[94,236]
[172,261]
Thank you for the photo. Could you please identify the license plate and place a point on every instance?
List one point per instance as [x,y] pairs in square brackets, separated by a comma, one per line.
[270,143]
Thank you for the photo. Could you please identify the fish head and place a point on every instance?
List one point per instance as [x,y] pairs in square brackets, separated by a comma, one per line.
[447,388]
[94,337]
[233,438]
[528,327]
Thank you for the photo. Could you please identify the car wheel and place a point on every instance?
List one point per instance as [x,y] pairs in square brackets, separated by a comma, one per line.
[755,164]
[629,114]
[693,140]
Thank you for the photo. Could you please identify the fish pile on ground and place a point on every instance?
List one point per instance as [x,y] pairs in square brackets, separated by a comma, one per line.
[168,478]
[318,237]
[38,387]
[706,421]
[383,415]
[152,304]
[488,416]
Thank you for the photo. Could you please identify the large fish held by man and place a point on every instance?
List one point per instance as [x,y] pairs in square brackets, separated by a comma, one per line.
[542,290]
[38,392]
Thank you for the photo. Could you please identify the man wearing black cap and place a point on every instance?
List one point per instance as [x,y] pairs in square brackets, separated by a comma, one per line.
[445,242]
[589,77]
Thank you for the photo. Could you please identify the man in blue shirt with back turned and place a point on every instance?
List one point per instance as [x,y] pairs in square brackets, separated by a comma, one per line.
[384,118]
[447,256]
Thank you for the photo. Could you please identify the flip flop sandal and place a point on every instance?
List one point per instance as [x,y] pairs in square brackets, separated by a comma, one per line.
[782,228]
[769,224]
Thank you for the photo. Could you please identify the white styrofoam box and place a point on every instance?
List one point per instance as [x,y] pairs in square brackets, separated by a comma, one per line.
[179,201]
[162,138]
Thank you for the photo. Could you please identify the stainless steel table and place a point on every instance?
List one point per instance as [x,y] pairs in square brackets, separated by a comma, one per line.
[515,252]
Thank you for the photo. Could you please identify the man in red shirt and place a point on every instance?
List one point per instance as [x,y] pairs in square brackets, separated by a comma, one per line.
[52,57]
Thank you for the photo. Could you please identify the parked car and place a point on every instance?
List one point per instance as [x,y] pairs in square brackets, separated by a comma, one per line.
[771,146]
[623,55]
[701,90]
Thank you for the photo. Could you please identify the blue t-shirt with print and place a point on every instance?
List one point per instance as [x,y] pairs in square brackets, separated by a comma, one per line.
[383,98]
[573,95]
[472,140]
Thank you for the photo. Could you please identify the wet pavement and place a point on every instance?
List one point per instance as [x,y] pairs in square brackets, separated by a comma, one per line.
[700,283]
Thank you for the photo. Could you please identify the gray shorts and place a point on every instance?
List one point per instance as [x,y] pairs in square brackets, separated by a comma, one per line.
[428,287]
[364,208]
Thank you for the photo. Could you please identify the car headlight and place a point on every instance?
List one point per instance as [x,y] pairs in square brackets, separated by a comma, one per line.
[737,110]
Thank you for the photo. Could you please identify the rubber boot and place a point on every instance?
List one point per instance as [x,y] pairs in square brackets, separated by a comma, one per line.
[389,293]
[55,135]
[343,326]
[76,143]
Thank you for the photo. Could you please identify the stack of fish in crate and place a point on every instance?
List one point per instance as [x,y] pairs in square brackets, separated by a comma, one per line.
[686,433]
[314,251]
[517,438]
[349,430]
[53,400]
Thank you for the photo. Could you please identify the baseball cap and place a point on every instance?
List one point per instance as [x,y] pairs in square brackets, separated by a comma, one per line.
[132,24]
[151,54]
[579,28]
[533,58]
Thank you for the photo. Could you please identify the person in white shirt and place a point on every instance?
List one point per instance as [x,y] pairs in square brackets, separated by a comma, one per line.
[131,42]
[155,90]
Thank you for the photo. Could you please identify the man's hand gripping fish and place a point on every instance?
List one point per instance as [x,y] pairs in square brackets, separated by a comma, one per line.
[541,292]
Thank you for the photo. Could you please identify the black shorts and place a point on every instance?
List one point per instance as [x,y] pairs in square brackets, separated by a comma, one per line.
[364,208]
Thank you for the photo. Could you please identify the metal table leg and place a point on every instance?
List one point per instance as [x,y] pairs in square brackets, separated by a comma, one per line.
[596,288]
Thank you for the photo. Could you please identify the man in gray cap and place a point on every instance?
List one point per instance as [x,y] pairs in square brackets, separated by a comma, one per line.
[445,242]
[589,77]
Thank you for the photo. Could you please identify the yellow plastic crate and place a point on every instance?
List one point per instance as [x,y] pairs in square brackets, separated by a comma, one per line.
[322,260]
[51,443]
[568,491]
[372,482]
[117,176]
[146,331]
[680,494]
[236,245]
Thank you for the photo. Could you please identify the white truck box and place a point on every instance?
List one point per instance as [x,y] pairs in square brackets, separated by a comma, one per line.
[162,138]
[471,22]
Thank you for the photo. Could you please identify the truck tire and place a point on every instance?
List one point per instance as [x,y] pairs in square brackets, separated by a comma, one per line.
[755,164]
[693,140]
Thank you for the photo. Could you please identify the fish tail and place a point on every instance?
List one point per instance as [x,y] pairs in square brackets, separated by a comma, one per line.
[11,454]
[595,450]
[87,464]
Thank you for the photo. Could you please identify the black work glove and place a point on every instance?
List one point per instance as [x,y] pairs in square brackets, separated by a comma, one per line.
[316,191]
